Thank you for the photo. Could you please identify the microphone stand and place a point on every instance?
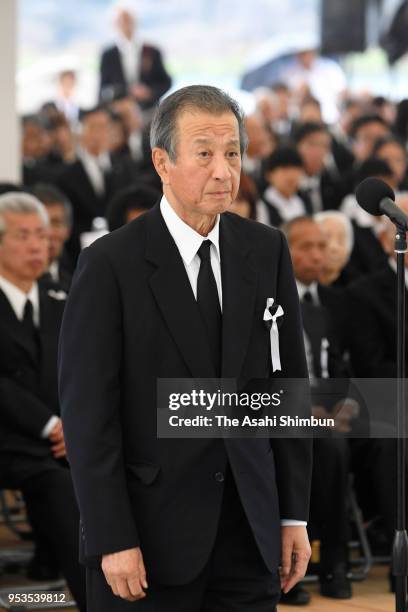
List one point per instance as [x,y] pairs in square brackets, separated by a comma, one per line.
[400,545]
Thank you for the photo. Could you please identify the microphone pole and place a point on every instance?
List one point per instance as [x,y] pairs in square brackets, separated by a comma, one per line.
[400,545]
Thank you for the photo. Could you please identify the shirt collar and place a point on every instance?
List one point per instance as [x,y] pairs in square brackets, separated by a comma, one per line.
[312,288]
[188,241]
[18,298]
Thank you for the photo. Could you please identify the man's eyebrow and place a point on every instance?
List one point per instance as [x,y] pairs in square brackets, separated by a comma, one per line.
[203,140]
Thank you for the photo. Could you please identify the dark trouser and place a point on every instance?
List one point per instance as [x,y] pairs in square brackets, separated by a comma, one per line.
[52,512]
[329,500]
[235,577]
[375,468]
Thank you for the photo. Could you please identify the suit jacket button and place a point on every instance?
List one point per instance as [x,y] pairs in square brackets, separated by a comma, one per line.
[219,477]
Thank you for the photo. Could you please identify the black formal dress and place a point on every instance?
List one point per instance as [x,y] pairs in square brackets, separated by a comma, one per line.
[28,399]
[167,495]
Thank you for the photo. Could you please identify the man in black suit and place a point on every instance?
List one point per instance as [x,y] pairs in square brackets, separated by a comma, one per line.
[321,188]
[307,245]
[92,179]
[373,351]
[183,524]
[59,211]
[32,448]
[133,66]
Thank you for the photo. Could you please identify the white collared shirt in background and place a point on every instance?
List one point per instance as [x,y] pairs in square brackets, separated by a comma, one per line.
[17,300]
[288,208]
[130,52]
[95,168]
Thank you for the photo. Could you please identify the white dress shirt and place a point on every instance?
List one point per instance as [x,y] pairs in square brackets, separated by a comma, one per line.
[288,208]
[95,166]
[17,300]
[130,52]
[188,241]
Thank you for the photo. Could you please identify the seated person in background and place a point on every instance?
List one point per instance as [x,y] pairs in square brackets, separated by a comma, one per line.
[329,513]
[368,253]
[92,180]
[338,232]
[374,297]
[373,347]
[59,210]
[280,200]
[321,187]
[118,135]
[137,145]
[392,150]
[245,204]
[261,143]
[35,148]
[364,133]
[32,447]
[130,203]
[310,111]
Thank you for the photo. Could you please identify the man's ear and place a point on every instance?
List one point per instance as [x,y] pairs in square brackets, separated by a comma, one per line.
[161,162]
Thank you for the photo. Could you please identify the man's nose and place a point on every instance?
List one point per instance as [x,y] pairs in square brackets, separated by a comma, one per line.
[220,168]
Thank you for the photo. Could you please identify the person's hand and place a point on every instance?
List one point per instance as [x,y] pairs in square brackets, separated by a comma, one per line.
[125,573]
[295,555]
[56,437]
[141,92]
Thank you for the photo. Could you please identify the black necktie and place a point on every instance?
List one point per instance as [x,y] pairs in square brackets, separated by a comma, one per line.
[209,303]
[308,297]
[30,328]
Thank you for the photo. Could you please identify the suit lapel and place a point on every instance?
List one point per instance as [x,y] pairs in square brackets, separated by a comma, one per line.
[16,330]
[175,299]
[239,283]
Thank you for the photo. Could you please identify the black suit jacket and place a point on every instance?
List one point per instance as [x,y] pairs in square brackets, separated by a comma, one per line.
[133,488]
[331,192]
[86,203]
[152,73]
[374,325]
[28,383]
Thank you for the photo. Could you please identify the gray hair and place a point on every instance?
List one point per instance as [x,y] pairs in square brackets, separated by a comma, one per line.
[163,131]
[20,203]
[342,218]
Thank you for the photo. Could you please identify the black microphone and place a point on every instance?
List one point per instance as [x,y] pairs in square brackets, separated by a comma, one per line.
[377,198]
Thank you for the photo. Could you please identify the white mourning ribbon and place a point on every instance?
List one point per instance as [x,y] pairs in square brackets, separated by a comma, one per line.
[274,333]
[324,357]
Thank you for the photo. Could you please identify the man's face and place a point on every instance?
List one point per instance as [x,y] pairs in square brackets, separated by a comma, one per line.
[396,157]
[314,149]
[307,247]
[125,23]
[95,133]
[204,178]
[34,141]
[130,113]
[366,138]
[286,179]
[24,247]
[59,230]
[260,141]
[337,249]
